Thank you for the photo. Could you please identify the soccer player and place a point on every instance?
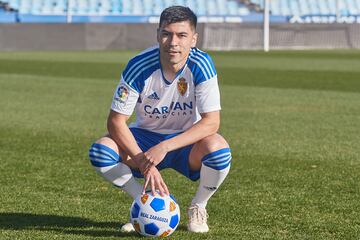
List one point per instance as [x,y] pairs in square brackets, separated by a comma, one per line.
[174,90]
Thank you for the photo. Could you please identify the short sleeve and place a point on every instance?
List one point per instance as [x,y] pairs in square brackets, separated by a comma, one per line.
[208,96]
[125,99]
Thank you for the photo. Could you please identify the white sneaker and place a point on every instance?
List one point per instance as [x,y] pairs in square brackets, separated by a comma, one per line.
[197,218]
[127,227]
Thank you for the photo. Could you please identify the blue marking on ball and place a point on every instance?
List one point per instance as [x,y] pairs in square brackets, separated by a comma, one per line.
[151,229]
[174,221]
[135,211]
[158,204]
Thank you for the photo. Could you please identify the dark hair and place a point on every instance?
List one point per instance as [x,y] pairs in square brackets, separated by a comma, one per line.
[176,14]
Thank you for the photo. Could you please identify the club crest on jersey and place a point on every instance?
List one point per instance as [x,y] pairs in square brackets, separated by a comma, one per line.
[122,93]
[182,86]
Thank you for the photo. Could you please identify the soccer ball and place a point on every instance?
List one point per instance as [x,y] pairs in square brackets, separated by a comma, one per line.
[155,216]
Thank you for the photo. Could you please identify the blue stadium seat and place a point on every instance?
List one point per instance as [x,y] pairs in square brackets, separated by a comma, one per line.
[137,7]
[126,7]
[59,9]
[180,2]
[222,7]
[157,7]
[275,7]
[82,7]
[353,7]
[25,6]
[168,3]
[104,7]
[259,2]
[304,8]
[232,7]
[211,7]
[311,7]
[148,5]
[93,6]
[200,7]
[36,7]
[192,4]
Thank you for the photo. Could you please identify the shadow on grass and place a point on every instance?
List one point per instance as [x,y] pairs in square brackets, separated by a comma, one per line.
[62,224]
[182,228]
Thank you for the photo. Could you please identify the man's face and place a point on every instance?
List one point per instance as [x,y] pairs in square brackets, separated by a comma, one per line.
[175,41]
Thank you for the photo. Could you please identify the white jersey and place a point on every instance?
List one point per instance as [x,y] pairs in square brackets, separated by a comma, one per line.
[162,106]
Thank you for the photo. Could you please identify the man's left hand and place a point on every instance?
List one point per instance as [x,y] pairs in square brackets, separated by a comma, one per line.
[154,156]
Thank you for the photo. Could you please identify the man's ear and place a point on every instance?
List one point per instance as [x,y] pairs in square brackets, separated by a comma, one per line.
[194,40]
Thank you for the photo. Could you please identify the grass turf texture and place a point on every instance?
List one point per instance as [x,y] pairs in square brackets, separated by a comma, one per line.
[292,119]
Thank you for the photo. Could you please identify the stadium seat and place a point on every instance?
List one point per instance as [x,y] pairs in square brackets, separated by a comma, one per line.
[137,7]
[304,8]
[200,7]
[180,2]
[275,7]
[211,7]
[232,7]
[311,7]
[59,7]
[353,7]
[126,7]
[192,4]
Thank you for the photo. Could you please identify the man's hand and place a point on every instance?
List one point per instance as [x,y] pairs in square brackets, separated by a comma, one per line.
[154,179]
[154,156]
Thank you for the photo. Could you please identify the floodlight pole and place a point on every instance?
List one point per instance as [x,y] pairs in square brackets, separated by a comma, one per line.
[337,10]
[68,12]
[266,25]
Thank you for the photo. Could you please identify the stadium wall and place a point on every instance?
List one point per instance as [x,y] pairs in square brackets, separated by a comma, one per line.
[213,36]
[282,36]
[85,36]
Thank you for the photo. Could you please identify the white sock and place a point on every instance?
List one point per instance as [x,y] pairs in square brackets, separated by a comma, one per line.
[121,176]
[214,169]
[210,180]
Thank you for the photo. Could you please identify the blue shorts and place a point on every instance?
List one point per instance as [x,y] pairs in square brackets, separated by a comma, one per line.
[177,159]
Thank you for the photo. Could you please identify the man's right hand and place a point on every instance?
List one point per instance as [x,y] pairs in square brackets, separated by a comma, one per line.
[154,179]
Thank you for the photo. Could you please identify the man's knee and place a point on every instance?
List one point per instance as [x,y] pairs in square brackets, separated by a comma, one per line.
[107,141]
[105,158]
[104,152]
[211,144]
[206,149]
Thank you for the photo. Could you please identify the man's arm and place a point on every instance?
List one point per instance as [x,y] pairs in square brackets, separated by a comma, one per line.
[208,125]
[121,134]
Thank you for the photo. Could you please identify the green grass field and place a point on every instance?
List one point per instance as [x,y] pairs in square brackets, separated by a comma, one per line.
[292,119]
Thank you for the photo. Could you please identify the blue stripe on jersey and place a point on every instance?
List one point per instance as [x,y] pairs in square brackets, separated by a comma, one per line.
[136,67]
[201,66]
[199,77]
[151,64]
[205,60]
[138,59]
[204,71]
[102,156]
[141,67]
[218,160]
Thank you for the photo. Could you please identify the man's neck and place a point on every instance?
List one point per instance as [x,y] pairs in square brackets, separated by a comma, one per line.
[170,70]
